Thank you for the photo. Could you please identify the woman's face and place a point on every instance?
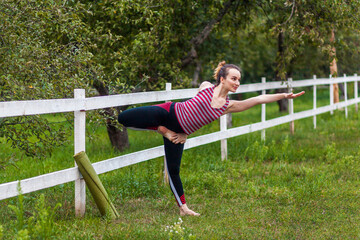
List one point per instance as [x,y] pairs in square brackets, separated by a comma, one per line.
[232,80]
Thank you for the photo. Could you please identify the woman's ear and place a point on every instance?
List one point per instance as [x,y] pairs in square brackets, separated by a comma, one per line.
[222,80]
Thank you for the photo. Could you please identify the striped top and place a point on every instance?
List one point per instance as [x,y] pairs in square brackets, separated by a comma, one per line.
[197,111]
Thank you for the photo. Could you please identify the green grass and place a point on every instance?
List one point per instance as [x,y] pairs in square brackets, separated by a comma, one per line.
[302,186]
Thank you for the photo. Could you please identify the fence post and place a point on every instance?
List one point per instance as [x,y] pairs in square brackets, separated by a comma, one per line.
[291,107]
[314,102]
[223,127]
[345,96]
[166,176]
[263,110]
[331,95]
[79,145]
[356,92]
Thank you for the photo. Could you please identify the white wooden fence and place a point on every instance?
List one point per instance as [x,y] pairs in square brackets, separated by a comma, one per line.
[79,105]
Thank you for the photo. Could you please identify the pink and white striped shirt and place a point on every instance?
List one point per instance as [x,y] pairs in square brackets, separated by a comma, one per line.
[197,111]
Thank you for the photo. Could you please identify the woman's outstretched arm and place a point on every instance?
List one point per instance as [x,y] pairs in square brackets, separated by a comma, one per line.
[239,106]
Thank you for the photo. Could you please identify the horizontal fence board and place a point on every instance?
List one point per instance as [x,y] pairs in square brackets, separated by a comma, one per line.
[324,81]
[128,159]
[136,98]
[8,190]
[32,107]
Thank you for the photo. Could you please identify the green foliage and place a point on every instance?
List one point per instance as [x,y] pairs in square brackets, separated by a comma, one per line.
[33,134]
[256,152]
[285,150]
[22,235]
[1,231]
[260,152]
[142,43]
[300,25]
[40,225]
[44,55]
[19,210]
[331,154]
[42,50]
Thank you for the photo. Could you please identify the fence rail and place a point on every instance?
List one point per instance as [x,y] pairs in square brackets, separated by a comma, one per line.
[33,107]
[80,104]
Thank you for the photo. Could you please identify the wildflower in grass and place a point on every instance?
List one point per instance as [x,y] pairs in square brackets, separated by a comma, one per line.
[177,231]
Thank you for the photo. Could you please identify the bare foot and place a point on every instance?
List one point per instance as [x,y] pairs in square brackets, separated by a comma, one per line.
[172,136]
[184,210]
[167,133]
[181,138]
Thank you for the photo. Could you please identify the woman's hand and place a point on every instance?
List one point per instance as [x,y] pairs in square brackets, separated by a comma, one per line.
[174,137]
[293,95]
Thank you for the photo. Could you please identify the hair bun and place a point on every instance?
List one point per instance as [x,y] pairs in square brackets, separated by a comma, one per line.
[218,68]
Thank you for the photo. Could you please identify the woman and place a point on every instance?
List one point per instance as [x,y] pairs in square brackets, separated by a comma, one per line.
[175,121]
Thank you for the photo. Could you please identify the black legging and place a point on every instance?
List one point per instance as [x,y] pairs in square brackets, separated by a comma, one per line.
[151,117]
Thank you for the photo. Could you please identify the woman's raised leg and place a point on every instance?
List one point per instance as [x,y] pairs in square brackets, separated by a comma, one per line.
[148,117]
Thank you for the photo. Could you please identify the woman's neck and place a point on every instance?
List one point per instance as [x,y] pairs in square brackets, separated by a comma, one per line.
[220,91]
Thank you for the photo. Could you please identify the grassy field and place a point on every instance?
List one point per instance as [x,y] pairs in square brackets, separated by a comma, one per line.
[302,186]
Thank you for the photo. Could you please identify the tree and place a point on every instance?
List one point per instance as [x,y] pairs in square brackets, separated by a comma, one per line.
[39,51]
[298,23]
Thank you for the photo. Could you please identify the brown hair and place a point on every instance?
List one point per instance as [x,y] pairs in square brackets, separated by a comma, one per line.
[222,70]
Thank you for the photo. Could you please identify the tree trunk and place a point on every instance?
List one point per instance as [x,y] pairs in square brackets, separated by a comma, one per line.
[118,136]
[333,67]
[197,76]
[342,91]
[283,103]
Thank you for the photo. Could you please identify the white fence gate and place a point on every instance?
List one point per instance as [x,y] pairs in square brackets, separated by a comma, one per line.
[79,105]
